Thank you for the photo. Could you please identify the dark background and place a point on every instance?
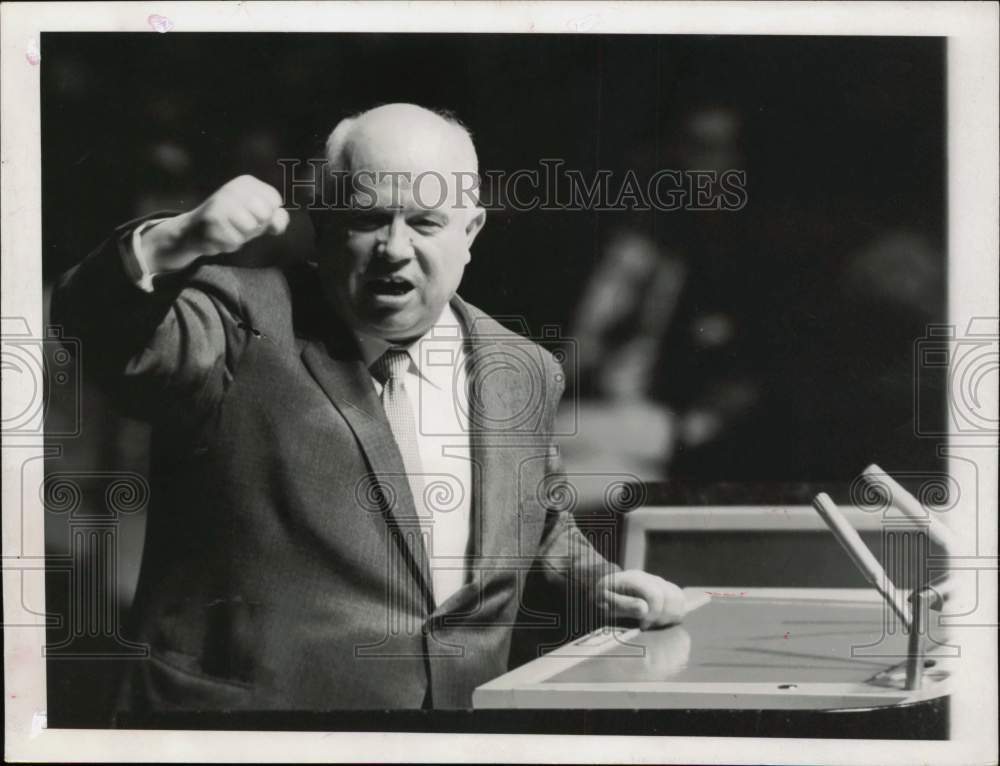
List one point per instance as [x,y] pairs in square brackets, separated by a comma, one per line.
[826,279]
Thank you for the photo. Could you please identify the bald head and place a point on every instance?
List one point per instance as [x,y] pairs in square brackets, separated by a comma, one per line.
[403,137]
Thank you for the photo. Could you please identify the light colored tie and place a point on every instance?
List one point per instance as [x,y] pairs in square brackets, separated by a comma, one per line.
[390,370]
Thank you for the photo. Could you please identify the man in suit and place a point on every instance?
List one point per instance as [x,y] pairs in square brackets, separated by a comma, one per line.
[349,462]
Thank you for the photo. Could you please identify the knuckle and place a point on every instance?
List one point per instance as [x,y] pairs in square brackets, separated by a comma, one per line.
[259,208]
[243,218]
[224,236]
[273,194]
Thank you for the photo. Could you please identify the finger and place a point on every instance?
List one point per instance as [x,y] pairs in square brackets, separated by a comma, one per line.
[223,237]
[655,596]
[267,192]
[672,606]
[279,221]
[244,222]
[261,207]
[675,601]
[655,616]
[627,606]
[637,583]
[251,192]
[634,582]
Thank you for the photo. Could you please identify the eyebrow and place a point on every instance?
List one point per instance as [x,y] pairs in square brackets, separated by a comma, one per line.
[431,213]
[389,211]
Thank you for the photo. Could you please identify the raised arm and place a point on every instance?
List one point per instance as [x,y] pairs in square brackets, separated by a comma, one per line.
[161,333]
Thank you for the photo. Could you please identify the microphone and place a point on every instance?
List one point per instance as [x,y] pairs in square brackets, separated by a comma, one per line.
[863,558]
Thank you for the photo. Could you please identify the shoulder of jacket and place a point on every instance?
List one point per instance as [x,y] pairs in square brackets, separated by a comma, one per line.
[260,296]
[483,328]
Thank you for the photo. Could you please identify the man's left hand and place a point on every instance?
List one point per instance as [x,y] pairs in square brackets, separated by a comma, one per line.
[641,596]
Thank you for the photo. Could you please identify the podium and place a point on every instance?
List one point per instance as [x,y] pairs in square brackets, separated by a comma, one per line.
[801,629]
[753,649]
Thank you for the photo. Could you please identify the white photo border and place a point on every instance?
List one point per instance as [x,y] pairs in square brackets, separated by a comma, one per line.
[972,87]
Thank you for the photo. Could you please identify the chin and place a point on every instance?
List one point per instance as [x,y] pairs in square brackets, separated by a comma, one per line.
[395,328]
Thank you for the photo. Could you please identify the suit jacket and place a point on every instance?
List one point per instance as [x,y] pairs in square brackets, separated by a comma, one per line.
[284,565]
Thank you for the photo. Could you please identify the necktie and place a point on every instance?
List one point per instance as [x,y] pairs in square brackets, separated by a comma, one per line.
[390,370]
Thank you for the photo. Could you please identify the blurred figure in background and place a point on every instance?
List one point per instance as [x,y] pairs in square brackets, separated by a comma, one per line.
[662,299]
[618,328]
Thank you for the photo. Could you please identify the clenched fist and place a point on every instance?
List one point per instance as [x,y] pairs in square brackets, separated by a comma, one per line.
[238,212]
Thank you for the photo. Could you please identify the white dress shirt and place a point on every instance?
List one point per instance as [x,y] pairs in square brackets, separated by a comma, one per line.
[435,378]
[136,265]
[436,373]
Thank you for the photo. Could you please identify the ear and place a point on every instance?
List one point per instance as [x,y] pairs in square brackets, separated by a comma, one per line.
[474,225]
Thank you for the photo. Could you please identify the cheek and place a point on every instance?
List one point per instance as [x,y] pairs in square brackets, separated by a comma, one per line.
[354,252]
[357,242]
[445,261]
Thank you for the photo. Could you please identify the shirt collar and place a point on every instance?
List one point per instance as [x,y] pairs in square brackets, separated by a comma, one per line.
[447,330]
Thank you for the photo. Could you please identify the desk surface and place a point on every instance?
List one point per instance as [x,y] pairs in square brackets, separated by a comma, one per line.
[764,649]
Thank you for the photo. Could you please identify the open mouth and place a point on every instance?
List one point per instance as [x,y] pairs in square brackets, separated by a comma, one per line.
[390,286]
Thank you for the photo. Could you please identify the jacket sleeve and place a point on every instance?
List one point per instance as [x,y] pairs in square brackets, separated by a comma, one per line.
[567,557]
[167,353]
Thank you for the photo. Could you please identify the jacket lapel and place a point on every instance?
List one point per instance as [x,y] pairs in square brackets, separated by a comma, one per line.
[501,388]
[336,365]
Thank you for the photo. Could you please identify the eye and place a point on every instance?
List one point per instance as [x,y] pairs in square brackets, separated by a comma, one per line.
[362,220]
[426,224]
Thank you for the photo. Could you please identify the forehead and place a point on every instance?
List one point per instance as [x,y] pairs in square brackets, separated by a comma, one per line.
[413,161]
[413,147]
[427,190]
[396,179]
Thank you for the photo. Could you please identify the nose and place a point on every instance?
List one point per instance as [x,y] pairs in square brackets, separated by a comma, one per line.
[395,244]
